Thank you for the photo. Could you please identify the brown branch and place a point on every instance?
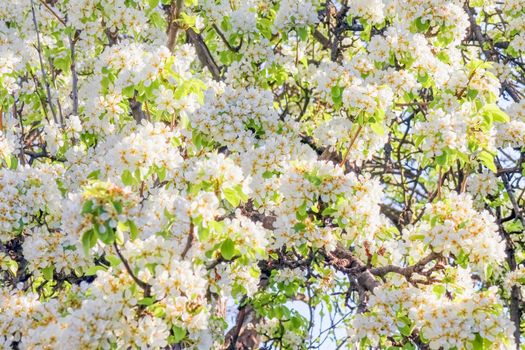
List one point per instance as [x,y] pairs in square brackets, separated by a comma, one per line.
[212,264]
[241,337]
[514,307]
[146,287]
[323,40]
[136,110]
[74,77]
[515,206]
[173,26]
[191,237]
[407,271]
[203,53]
[53,12]
[352,141]
[345,262]
[225,40]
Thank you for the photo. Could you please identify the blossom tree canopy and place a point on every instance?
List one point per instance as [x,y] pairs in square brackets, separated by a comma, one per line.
[262,174]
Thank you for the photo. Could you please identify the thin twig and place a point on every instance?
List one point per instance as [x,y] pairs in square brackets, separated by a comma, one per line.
[352,141]
[44,75]
[189,241]
[52,12]
[74,77]
[225,41]
[146,287]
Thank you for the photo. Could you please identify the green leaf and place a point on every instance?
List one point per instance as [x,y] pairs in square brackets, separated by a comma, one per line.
[89,239]
[267,174]
[113,260]
[146,301]
[472,94]
[422,337]
[299,227]
[378,128]
[225,24]
[133,230]
[87,207]
[513,226]
[118,206]
[477,343]
[12,266]
[422,26]
[157,20]
[161,173]
[128,91]
[94,175]
[232,196]
[442,158]
[12,162]
[444,38]
[178,334]
[204,233]
[119,236]
[417,238]
[462,259]
[439,290]
[443,57]
[423,77]
[405,330]
[337,95]
[197,139]
[495,113]
[228,249]
[328,211]
[314,179]
[240,193]
[92,270]
[108,236]
[48,273]
[153,3]
[487,159]
[488,271]
[187,19]
[302,33]
[302,212]
[63,63]
[265,27]
[127,177]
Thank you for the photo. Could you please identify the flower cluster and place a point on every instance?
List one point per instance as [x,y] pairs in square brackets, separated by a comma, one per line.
[482,184]
[371,11]
[442,131]
[168,165]
[241,15]
[454,228]
[512,134]
[295,14]
[515,278]
[7,145]
[323,187]
[97,212]
[46,249]
[30,194]
[236,119]
[443,323]
[272,328]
